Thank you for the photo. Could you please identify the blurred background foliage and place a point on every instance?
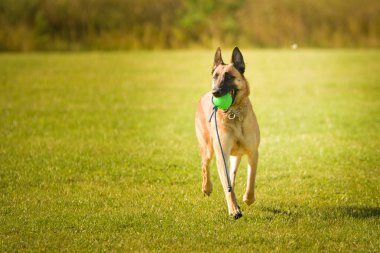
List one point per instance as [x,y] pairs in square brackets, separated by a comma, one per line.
[143,24]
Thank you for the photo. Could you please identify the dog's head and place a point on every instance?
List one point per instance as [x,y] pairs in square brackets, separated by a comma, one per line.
[228,77]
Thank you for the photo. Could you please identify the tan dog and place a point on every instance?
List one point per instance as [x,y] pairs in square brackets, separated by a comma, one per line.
[238,129]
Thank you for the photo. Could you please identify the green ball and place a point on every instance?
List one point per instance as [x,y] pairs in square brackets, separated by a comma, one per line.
[223,102]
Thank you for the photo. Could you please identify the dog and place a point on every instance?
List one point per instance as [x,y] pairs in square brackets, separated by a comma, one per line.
[238,130]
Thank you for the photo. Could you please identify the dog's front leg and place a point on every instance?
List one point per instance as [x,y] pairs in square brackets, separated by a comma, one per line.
[234,164]
[249,195]
[233,208]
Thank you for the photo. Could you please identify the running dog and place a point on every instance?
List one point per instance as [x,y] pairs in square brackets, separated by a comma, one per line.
[238,129]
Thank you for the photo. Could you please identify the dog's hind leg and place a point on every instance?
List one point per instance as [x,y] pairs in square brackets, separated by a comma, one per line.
[234,164]
[206,153]
[249,195]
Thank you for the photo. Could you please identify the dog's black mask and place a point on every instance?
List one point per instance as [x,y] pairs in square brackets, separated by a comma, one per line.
[226,85]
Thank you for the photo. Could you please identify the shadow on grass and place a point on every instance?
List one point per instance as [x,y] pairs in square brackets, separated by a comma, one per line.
[359,212]
[276,210]
[326,212]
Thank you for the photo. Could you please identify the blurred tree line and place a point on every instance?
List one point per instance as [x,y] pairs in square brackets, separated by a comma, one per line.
[133,24]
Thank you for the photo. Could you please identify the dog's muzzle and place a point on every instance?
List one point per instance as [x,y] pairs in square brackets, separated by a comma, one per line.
[219,92]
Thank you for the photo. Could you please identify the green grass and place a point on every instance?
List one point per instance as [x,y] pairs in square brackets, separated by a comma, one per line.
[98,153]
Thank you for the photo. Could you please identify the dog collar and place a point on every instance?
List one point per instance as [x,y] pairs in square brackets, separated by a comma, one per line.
[233,115]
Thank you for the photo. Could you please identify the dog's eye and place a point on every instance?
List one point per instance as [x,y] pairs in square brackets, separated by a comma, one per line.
[215,76]
[228,77]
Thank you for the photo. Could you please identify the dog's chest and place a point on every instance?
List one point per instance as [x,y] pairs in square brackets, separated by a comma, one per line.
[238,139]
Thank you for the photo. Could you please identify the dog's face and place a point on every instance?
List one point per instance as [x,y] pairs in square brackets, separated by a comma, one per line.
[227,77]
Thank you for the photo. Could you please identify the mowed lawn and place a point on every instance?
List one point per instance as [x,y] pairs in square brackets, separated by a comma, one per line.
[98,153]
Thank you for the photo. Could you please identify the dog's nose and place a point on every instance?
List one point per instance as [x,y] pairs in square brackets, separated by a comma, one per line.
[217,92]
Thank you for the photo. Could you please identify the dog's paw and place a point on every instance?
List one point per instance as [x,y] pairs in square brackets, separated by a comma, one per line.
[207,188]
[249,198]
[236,214]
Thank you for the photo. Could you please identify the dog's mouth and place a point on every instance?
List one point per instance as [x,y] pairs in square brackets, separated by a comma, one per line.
[220,92]
[233,93]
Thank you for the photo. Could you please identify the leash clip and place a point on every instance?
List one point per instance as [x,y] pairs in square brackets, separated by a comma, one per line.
[231,115]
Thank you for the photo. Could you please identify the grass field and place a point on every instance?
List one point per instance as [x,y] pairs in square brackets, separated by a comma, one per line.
[98,153]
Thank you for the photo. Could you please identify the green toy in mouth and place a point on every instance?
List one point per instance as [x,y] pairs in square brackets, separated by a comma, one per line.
[223,102]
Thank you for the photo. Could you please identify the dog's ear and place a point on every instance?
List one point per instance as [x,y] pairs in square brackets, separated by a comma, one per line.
[237,60]
[217,59]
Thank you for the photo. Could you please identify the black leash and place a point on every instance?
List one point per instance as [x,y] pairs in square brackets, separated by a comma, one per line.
[214,110]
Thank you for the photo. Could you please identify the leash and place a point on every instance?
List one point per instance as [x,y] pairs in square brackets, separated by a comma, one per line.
[214,110]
